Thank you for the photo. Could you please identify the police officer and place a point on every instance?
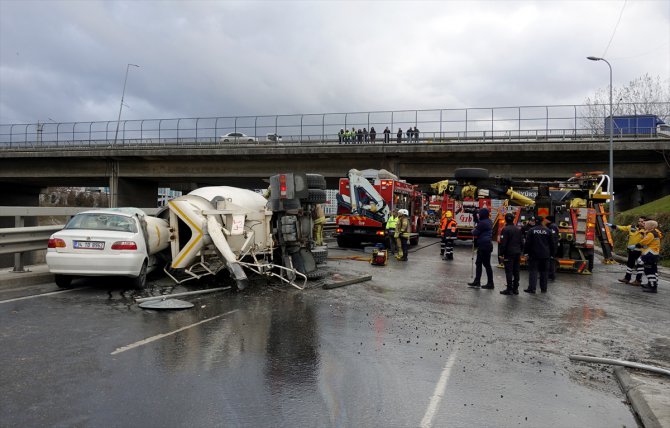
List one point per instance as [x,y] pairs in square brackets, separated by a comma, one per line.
[483,233]
[390,230]
[510,249]
[540,248]
[402,235]
[448,232]
[555,235]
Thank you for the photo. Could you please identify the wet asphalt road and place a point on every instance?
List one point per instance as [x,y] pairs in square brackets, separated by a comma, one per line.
[413,347]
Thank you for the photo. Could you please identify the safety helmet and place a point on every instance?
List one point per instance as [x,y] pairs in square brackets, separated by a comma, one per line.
[449,214]
[403,212]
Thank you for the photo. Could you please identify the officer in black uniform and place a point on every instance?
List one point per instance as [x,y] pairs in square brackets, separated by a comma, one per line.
[510,249]
[540,248]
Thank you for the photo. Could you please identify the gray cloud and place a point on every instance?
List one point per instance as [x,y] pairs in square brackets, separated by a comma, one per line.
[66,60]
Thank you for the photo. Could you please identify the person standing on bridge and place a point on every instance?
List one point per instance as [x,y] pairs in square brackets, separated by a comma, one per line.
[373,135]
[340,136]
[416,134]
[387,135]
[366,135]
[399,135]
[482,235]
[409,134]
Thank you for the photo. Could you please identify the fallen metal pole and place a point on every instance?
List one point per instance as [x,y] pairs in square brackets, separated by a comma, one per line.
[620,363]
[347,282]
[187,293]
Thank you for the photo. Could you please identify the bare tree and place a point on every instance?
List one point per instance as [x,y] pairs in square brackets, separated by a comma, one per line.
[642,95]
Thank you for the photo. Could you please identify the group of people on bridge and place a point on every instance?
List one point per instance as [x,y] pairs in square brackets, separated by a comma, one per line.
[361,136]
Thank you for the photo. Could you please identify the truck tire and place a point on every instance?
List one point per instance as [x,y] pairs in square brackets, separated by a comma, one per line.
[316,196]
[320,255]
[471,173]
[414,240]
[288,204]
[316,181]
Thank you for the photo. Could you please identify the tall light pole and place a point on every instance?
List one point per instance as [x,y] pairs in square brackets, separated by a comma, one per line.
[611,174]
[123,94]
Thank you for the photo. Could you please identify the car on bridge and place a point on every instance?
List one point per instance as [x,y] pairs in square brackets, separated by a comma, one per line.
[237,137]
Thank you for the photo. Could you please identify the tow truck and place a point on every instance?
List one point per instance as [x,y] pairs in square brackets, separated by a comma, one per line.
[365,202]
[577,205]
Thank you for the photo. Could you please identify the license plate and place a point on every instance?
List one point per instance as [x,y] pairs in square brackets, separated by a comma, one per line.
[359,231]
[89,245]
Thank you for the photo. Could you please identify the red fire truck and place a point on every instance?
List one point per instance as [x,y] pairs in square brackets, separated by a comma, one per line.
[576,204]
[365,202]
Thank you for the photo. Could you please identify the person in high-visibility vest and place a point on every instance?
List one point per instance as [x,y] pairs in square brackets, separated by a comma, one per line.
[633,264]
[319,220]
[402,235]
[448,232]
[390,231]
[651,249]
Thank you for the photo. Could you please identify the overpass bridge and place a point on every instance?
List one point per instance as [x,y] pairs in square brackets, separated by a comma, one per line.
[545,142]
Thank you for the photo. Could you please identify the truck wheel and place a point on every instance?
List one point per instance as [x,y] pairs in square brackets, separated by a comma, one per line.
[320,255]
[62,281]
[471,173]
[316,181]
[316,196]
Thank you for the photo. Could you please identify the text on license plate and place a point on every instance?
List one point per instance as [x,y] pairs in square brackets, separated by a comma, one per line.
[89,245]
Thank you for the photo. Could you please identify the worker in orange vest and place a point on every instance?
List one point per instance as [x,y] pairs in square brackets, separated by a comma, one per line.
[448,232]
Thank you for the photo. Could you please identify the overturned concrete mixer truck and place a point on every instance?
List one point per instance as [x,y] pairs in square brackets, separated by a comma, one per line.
[216,228]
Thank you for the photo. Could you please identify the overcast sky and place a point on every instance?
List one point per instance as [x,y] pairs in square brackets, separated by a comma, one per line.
[66,60]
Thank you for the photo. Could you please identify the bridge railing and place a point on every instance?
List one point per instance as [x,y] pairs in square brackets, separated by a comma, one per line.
[443,125]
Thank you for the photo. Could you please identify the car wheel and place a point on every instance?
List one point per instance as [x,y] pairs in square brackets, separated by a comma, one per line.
[140,281]
[63,281]
[250,140]
[414,240]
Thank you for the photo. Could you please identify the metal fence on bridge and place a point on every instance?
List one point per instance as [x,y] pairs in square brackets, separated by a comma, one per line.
[525,123]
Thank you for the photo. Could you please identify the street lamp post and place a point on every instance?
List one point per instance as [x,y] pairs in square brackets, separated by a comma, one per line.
[611,174]
[123,94]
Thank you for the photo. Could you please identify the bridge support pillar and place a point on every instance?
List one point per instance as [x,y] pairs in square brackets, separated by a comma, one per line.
[131,192]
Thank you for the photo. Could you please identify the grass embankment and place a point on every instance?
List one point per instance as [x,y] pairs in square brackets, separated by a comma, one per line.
[658,210]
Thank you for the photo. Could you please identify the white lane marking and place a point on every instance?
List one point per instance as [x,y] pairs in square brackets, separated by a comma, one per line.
[162,335]
[41,295]
[438,394]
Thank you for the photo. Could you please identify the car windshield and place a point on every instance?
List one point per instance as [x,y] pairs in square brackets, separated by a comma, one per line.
[101,221]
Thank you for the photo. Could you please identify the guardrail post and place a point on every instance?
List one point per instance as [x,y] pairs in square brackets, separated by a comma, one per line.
[19,221]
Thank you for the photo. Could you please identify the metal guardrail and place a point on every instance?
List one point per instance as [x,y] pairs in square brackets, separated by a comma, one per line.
[24,239]
[439,125]
[19,240]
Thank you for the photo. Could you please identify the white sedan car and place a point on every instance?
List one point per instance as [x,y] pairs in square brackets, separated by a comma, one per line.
[105,242]
[237,137]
